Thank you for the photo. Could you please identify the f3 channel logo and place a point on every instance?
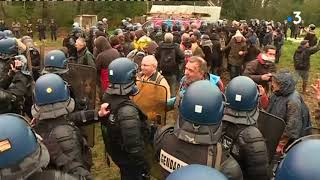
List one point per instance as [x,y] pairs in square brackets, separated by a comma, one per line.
[297,17]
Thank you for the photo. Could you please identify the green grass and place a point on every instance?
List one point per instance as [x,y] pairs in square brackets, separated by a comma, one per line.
[286,62]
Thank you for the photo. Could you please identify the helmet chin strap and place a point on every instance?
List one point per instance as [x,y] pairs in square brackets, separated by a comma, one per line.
[197,134]
[134,91]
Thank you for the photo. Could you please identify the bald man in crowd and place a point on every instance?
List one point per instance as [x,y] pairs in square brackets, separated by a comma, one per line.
[149,73]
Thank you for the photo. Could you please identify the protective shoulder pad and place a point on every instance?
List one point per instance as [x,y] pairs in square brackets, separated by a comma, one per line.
[161,133]
[251,134]
[128,111]
[62,131]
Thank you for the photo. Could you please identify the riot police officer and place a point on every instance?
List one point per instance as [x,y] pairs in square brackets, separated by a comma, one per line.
[196,171]
[68,149]
[15,78]
[244,141]
[301,160]
[55,62]
[21,152]
[23,155]
[53,28]
[41,27]
[70,41]
[123,132]
[195,137]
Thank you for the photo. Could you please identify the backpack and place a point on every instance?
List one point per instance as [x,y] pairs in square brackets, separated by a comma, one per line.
[305,114]
[168,62]
[306,123]
[298,60]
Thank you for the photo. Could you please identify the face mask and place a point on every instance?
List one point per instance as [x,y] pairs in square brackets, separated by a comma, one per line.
[266,58]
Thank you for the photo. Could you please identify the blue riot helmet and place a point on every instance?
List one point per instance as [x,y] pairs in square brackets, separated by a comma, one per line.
[302,161]
[77,31]
[50,89]
[21,153]
[55,62]
[8,33]
[196,171]
[202,104]
[200,114]
[8,48]
[122,77]
[242,94]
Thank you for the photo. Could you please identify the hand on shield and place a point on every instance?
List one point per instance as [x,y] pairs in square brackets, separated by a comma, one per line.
[316,88]
[104,111]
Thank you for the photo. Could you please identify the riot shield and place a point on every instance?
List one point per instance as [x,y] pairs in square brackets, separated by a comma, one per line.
[82,79]
[152,100]
[272,128]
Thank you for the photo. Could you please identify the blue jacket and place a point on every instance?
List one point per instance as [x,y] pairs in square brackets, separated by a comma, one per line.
[183,87]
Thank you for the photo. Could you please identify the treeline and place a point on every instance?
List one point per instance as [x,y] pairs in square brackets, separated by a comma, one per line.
[64,12]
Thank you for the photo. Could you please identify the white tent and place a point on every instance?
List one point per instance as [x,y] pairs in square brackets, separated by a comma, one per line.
[213,12]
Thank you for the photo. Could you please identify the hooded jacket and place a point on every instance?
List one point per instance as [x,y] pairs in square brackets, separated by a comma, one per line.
[105,57]
[286,104]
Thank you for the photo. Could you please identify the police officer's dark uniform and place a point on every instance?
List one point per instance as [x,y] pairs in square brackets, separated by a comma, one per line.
[23,155]
[70,42]
[244,141]
[15,85]
[41,27]
[53,27]
[56,62]
[69,151]
[194,138]
[124,131]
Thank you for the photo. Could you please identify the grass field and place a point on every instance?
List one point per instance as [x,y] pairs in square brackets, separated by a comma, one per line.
[102,172]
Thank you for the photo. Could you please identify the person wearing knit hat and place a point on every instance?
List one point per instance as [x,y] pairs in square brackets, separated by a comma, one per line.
[311,35]
[238,50]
